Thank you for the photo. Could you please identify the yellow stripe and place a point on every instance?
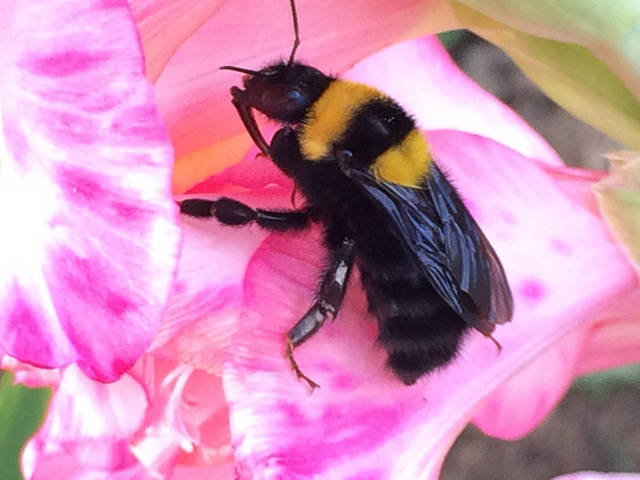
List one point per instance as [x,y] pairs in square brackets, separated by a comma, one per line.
[330,115]
[406,163]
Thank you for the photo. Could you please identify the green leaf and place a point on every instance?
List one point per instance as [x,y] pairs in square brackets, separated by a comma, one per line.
[569,73]
[451,38]
[611,30]
[21,412]
[604,381]
[619,198]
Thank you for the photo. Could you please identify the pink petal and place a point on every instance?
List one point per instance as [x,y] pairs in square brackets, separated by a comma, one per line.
[187,422]
[551,272]
[157,416]
[578,184]
[419,74]
[206,472]
[521,403]
[362,417]
[91,242]
[30,376]
[422,77]
[348,414]
[162,436]
[615,339]
[255,174]
[165,24]
[86,431]
[598,476]
[193,95]
[202,314]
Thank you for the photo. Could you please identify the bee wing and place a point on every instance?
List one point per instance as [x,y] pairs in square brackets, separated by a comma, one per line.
[448,245]
[470,257]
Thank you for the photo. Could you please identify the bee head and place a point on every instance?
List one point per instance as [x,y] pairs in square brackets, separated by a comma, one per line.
[282,91]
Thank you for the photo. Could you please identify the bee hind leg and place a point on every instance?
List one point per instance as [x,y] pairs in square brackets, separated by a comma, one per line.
[328,300]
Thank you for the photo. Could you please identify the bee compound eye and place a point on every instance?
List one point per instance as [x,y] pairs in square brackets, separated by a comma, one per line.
[283,101]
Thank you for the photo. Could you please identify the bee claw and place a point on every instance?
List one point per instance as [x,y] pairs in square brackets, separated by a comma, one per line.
[294,366]
[495,342]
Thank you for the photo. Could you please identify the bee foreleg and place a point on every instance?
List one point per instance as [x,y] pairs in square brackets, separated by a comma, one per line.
[284,150]
[231,212]
[328,300]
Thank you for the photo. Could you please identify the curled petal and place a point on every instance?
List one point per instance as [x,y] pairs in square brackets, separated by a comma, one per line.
[187,419]
[578,184]
[205,413]
[87,429]
[163,436]
[614,340]
[521,403]
[598,476]
[30,376]
[422,77]
[155,18]
[157,416]
[90,240]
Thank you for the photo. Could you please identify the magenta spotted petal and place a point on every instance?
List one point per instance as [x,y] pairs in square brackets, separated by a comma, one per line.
[239,290]
[562,289]
[89,239]
[86,433]
[156,416]
[574,312]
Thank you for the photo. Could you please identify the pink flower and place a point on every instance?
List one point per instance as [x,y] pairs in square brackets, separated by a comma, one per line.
[90,240]
[598,476]
[213,396]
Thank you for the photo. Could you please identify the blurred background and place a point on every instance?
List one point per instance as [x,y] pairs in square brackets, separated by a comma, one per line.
[597,425]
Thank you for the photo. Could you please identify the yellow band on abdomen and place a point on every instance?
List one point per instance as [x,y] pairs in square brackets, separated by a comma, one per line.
[406,163]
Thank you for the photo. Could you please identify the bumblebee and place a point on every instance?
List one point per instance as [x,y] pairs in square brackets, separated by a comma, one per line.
[367,176]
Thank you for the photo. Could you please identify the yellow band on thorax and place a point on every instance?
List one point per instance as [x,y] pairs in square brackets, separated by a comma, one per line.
[406,163]
[330,115]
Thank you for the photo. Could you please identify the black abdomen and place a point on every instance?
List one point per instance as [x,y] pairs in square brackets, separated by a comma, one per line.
[416,327]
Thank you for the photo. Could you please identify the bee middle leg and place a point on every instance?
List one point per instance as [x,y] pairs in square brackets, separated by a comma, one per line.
[328,300]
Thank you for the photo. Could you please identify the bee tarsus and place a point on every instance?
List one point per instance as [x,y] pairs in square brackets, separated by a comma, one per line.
[288,353]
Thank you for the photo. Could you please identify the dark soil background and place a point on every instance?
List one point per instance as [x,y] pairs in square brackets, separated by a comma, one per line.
[588,430]
[597,425]
[576,142]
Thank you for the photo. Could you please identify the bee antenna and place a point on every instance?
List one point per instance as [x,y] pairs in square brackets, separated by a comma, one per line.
[296,32]
[244,70]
